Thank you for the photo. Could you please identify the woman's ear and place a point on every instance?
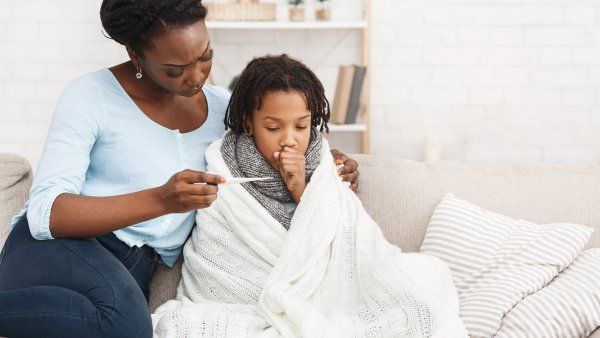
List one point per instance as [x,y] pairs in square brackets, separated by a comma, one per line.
[135,58]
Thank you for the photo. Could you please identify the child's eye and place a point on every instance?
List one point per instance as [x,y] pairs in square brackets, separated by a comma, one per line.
[271,129]
[302,127]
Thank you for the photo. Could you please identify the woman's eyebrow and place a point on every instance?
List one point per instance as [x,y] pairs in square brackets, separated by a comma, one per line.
[187,64]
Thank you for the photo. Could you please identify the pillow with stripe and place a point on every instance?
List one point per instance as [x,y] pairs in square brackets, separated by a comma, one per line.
[568,307]
[497,261]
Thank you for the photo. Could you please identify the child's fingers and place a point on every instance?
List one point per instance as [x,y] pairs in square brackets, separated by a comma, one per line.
[291,165]
[292,157]
[279,156]
[290,149]
[290,154]
[293,160]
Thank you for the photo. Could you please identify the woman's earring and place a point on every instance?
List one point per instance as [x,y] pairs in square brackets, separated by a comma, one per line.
[138,75]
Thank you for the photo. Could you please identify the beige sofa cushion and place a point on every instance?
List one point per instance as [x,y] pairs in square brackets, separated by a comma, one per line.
[15,181]
[401,195]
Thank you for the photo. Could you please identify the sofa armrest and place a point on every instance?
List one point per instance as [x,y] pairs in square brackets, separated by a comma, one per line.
[15,181]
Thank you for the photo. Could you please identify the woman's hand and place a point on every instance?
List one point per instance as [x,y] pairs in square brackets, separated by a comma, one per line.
[291,165]
[180,194]
[349,172]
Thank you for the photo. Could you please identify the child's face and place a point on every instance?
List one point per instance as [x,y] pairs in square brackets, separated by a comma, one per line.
[283,121]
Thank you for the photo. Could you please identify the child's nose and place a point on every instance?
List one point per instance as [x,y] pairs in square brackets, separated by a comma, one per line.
[288,140]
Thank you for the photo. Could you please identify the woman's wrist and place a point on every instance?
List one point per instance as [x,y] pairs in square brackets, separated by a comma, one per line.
[157,201]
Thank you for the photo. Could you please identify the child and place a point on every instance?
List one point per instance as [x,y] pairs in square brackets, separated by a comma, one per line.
[273,118]
[296,255]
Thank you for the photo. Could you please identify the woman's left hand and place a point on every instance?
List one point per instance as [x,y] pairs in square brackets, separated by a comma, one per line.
[349,172]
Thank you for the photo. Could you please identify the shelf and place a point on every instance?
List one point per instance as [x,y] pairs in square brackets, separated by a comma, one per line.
[347,127]
[286,24]
[362,26]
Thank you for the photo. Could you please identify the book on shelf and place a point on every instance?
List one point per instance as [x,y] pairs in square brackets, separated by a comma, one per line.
[342,94]
[355,94]
[348,93]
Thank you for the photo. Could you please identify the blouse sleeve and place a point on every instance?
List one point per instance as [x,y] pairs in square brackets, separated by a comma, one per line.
[75,127]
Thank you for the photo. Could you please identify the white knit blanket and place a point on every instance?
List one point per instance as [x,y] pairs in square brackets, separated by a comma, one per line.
[331,275]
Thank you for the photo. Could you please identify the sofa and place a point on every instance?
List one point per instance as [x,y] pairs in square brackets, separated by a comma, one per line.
[401,195]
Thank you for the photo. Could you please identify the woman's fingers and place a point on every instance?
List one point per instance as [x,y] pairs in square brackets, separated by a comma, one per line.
[203,189]
[191,176]
[337,156]
[349,172]
[200,199]
[350,165]
[351,177]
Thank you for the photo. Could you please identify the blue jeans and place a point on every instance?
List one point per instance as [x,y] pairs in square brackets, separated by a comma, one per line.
[95,287]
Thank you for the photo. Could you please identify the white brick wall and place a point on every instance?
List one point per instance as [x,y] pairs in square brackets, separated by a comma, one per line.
[43,46]
[495,80]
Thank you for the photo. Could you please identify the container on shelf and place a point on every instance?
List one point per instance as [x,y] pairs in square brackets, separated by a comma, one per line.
[241,10]
[297,10]
[323,10]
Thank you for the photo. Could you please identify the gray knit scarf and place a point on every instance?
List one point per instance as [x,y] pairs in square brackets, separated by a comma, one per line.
[244,160]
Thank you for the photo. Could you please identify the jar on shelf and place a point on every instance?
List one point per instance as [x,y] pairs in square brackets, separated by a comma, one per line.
[323,10]
[296,8]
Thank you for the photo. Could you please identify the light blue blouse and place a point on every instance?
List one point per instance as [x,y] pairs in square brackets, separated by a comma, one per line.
[101,144]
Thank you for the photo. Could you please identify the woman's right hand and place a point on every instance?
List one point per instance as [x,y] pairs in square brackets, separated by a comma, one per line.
[181,194]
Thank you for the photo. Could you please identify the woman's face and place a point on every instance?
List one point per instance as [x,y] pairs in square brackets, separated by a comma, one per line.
[283,121]
[180,60]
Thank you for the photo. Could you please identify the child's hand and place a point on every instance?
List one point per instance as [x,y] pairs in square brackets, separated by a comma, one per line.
[291,165]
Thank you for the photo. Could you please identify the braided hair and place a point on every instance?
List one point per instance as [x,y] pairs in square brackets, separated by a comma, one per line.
[134,23]
[268,74]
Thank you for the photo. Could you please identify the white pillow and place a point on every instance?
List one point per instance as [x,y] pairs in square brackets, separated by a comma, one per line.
[568,307]
[497,261]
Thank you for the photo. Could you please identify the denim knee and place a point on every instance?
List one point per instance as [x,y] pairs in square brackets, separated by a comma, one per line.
[135,321]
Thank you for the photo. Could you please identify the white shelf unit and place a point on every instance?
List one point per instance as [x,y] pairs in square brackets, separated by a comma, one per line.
[363,25]
[287,25]
[348,127]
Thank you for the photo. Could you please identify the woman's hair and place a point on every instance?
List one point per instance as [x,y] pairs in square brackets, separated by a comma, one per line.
[134,23]
[269,74]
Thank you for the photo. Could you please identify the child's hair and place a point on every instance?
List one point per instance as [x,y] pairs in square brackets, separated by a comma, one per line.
[270,74]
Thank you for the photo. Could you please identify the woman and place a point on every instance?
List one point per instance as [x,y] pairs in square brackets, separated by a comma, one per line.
[100,216]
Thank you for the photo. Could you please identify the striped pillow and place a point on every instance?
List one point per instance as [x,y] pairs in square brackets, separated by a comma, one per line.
[568,307]
[497,261]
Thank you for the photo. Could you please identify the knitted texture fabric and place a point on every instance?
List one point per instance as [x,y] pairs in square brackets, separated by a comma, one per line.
[244,160]
[331,275]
